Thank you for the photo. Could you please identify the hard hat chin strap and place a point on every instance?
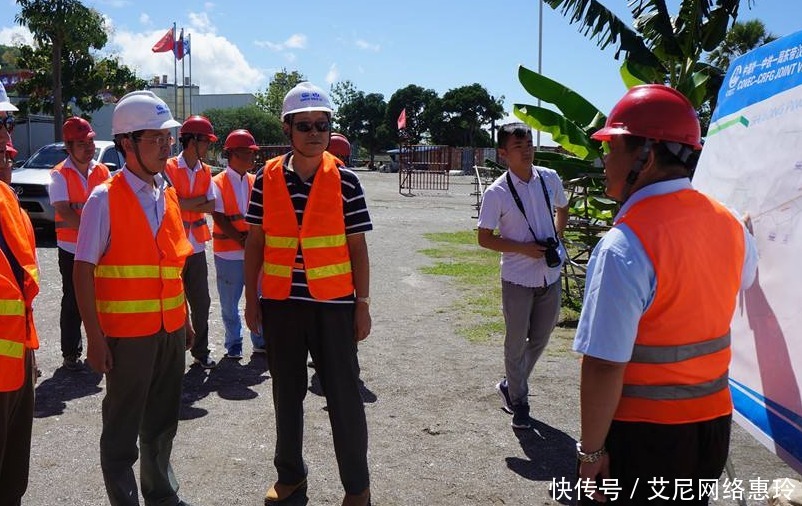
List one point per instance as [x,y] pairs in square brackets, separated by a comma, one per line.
[637,167]
[139,158]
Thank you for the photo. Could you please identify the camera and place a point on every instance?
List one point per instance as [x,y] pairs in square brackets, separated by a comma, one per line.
[551,254]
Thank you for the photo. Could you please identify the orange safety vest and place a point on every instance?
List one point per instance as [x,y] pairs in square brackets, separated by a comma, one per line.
[679,369]
[194,222]
[17,330]
[77,196]
[221,241]
[138,283]
[321,235]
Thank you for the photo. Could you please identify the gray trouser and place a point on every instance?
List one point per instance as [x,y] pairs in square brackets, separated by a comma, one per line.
[530,315]
[143,396]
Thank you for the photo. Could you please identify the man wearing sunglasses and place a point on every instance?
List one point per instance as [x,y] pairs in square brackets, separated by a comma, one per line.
[71,182]
[306,247]
[128,261]
[19,284]
[660,293]
[192,180]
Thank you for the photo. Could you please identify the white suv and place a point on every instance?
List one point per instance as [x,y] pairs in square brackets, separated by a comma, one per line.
[31,179]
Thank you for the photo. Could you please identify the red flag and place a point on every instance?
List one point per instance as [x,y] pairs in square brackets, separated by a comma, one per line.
[179,46]
[402,119]
[165,44]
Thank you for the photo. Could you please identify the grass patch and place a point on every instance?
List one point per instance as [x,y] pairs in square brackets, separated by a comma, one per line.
[475,271]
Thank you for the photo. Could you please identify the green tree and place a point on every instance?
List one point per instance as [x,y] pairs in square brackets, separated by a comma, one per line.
[273,97]
[265,127]
[342,93]
[422,109]
[659,47]
[61,26]
[8,58]
[464,111]
[87,82]
[740,39]
[362,118]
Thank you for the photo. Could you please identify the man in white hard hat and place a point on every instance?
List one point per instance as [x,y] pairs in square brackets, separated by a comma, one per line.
[128,261]
[19,284]
[307,249]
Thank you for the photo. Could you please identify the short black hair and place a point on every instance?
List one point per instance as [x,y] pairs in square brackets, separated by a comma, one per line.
[518,129]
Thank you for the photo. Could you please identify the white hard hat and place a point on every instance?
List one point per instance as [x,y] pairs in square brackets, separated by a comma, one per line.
[141,110]
[5,103]
[305,97]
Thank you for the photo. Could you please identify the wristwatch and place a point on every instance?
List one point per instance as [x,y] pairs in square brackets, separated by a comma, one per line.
[591,457]
[364,300]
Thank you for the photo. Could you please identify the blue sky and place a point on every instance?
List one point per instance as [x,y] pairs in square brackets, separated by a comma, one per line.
[380,46]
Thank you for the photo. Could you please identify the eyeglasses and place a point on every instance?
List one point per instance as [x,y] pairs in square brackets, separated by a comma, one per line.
[8,123]
[306,126]
[161,141]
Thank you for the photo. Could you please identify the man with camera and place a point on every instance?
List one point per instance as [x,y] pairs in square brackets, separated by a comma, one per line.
[523,215]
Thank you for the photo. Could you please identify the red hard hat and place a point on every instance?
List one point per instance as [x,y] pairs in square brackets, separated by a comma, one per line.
[198,125]
[656,112]
[240,139]
[11,151]
[77,129]
[339,146]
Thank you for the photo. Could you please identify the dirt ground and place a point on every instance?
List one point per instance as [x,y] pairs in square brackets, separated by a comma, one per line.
[437,435]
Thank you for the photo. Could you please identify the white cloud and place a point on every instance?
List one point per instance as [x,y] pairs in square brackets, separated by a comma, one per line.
[208,6]
[295,41]
[218,66]
[367,46]
[117,4]
[144,19]
[333,75]
[17,35]
[200,22]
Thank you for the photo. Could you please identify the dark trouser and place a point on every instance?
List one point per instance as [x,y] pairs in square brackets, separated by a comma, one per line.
[680,455]
[70,320]
[16,419]
[143,395]
[326,331]
[196,288]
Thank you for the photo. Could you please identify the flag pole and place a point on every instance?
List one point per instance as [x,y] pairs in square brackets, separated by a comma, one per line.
[183,78]
[539,56]
[189,45]
[175,73]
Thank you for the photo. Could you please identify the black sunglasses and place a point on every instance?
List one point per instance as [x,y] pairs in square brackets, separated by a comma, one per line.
[8,123]
[306,126]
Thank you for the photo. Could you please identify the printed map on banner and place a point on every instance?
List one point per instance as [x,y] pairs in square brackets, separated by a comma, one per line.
[752,162]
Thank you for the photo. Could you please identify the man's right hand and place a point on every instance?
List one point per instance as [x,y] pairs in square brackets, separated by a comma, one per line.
[253,317]
[533,249]
[98,354]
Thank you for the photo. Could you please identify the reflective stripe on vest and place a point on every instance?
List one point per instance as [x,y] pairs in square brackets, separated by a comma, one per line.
[140,306]
[679,366]
[321,236]
[137,271]
[13,349]
[12,307]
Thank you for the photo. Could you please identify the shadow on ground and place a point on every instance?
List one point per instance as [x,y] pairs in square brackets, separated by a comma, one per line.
[551,453]
[65,385]
[315,387]
[231,379]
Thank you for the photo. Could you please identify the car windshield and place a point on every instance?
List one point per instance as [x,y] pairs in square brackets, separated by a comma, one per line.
[46,158]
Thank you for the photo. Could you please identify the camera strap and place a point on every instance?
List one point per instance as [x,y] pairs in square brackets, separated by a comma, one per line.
[520,204]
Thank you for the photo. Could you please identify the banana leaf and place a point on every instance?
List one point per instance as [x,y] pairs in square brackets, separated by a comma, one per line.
[570,103]
[564,132]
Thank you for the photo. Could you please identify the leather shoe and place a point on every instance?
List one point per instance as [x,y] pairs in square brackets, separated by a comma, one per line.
[282,491]
[361,499]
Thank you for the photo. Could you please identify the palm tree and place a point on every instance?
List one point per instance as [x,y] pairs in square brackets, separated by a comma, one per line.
[659,47]
[742,38]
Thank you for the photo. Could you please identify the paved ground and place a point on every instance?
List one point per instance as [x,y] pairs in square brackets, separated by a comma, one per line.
[437,435]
